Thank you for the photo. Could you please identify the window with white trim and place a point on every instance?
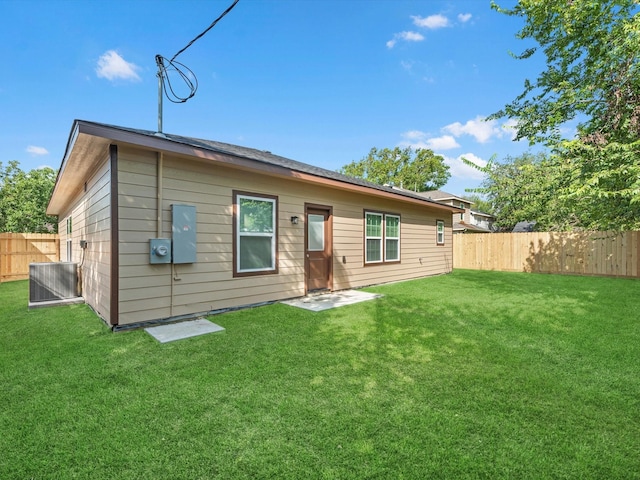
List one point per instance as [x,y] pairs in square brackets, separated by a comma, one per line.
[440,232]
[391,238]
[69,239]
[381,237]
[255,246]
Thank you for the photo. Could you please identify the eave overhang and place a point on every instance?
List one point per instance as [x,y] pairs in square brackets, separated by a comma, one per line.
[88,146]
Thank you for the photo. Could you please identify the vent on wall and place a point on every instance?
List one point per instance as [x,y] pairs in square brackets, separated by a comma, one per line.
[52,281]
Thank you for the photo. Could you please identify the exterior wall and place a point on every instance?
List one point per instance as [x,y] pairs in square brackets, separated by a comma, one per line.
[463,217]
[91,221]
[149,292]
[481,221]
[459,217]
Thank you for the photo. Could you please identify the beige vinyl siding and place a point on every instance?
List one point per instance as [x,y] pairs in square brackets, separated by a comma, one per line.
[91,221]
[149,292]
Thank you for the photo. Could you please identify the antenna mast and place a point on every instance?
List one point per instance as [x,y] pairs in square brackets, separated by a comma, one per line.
[188,77]
[160,76]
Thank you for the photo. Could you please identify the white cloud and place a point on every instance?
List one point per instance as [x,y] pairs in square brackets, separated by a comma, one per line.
[446,142]
[37,151]
[411,36]
[417,139]
[414,135]
[432,21]
[459,169]
[479,128]
[407,65]
[113,67]
[464,17]
[510,128]
[406,36]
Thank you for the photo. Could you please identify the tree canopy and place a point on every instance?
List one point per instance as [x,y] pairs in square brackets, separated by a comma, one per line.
[592,178]
[480,203]
[593,70]
[24,197]
[523,188]
[419,170]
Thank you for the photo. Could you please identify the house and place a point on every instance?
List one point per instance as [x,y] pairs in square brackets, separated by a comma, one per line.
[469,221]
[164,226]
[484,221]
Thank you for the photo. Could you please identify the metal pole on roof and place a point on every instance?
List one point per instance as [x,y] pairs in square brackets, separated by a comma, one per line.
[160,83]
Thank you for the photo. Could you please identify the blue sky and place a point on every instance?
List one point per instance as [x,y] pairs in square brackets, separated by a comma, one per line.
[319,81]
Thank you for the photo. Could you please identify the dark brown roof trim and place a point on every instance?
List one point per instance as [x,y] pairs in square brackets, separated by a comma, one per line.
[114,277]
[247,158]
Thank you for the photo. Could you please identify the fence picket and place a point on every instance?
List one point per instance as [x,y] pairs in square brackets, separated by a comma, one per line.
[18,250]
[582,253]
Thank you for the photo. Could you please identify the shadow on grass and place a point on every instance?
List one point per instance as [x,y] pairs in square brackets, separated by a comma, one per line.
[469,375]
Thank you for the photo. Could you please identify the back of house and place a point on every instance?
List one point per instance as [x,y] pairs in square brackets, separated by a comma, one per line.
[164,226]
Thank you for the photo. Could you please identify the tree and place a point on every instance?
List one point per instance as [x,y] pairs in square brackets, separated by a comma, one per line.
[592,75]
[526,188]
[418,170]
[593,70]
[480,203]
[24,198]
[603,183]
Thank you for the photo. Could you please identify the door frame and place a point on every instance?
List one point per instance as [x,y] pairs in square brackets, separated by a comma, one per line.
[328,238]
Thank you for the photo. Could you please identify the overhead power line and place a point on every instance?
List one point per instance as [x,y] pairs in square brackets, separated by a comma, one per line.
[185,73]
[213,24]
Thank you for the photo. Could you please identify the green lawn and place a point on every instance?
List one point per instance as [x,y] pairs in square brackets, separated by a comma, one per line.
[468,375]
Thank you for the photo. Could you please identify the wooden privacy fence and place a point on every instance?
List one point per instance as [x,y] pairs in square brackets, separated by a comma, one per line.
[584,253]
[18,250]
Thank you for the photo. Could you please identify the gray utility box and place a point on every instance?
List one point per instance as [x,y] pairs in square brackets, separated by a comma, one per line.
[52,281]
[160,250]
[183,229]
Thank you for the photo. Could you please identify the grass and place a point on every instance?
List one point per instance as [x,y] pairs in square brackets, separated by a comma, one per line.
[468,375]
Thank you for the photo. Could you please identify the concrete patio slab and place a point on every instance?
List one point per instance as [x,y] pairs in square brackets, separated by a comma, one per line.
[325,301]
[180,330]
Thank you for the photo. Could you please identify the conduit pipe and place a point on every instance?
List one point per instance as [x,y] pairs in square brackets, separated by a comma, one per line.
[159,169]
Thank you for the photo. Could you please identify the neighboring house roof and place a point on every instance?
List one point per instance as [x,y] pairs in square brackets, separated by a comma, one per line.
[482,214]
[524,227]
[469,227]
[89,140]
[440,196]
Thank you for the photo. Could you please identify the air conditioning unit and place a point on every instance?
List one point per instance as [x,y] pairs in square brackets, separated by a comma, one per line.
[52,281]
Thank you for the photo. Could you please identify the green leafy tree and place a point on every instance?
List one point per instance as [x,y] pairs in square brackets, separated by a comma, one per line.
[24,197]
[593,70]
[418,170]
[526,188]
[480,203]
[603,183]
[592,76]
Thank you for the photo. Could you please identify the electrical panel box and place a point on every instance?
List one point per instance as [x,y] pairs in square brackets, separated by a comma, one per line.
[160,250]
[183,228]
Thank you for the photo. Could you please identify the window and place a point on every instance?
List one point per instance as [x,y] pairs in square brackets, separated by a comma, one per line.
[392,238]
[315,233]
[69,240]
[373,238]
[462,214]
[440,232]
[255,231]
[381,237]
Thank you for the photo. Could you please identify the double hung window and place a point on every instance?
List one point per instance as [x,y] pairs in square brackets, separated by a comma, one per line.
[255,229]
[69,239]
[440,232]
[382,237]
